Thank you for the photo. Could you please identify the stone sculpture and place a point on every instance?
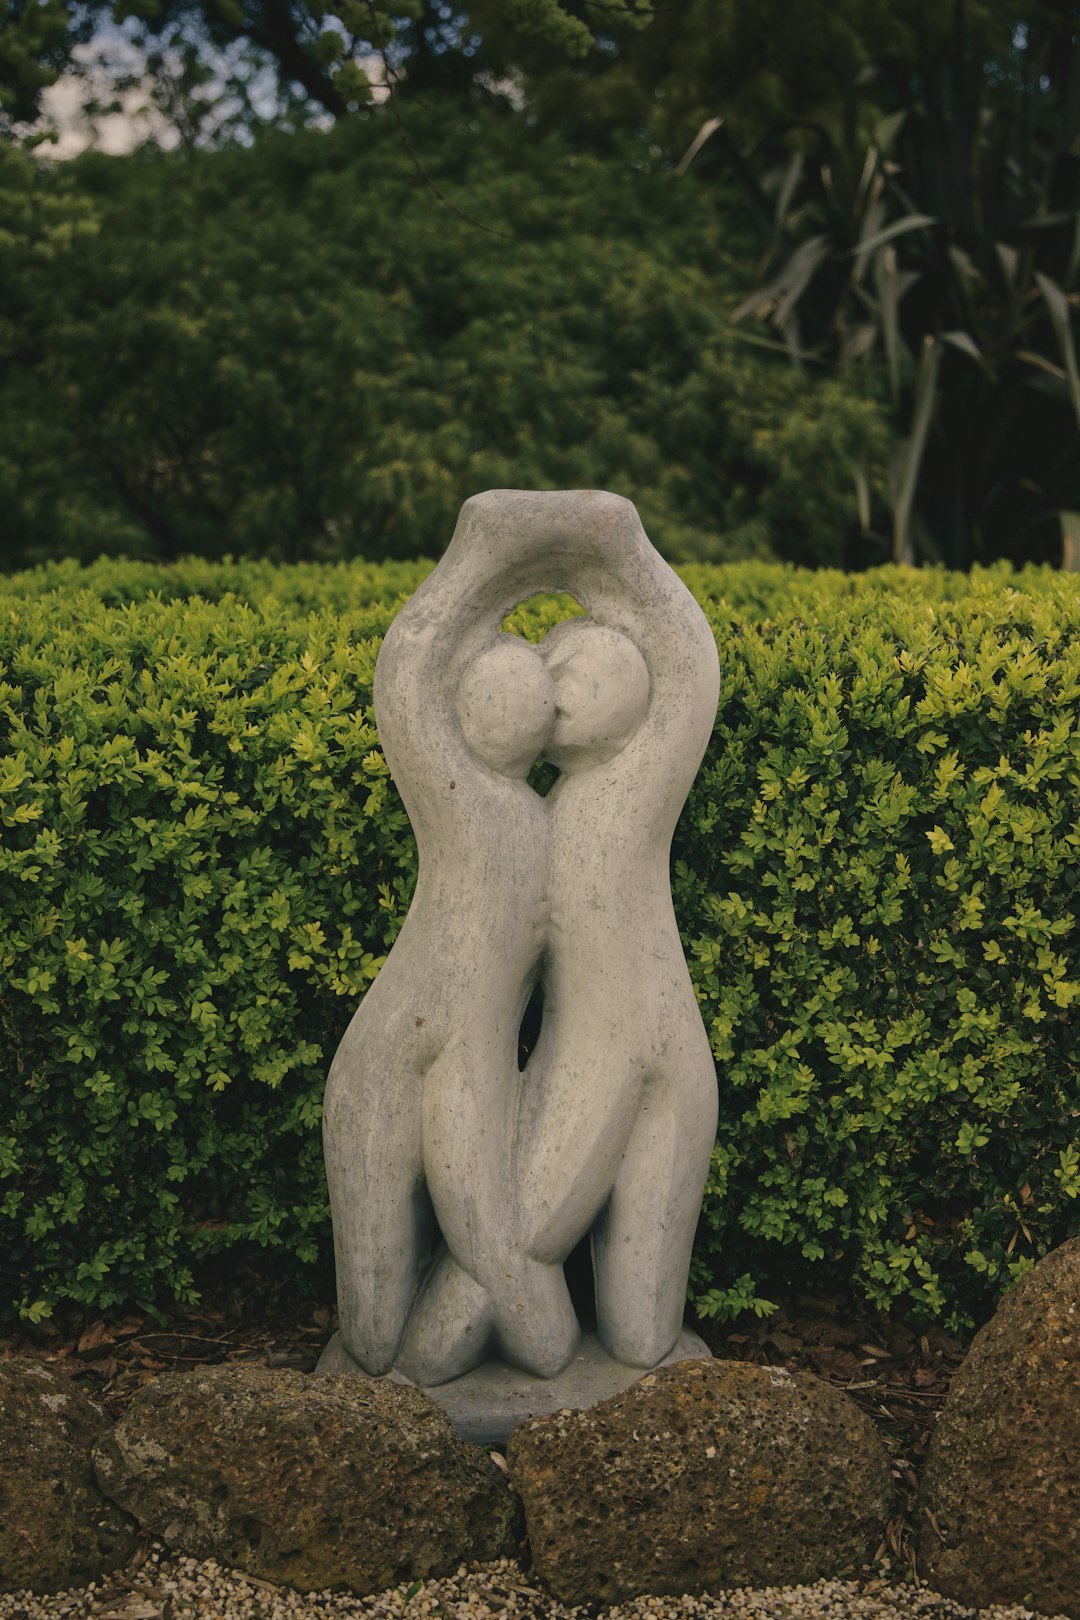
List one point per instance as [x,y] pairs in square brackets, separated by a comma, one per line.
[459,1184]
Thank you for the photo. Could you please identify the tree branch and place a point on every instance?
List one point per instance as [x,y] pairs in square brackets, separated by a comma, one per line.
[277,32]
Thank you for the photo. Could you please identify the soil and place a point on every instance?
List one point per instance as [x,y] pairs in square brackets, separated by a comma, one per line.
[898,1374]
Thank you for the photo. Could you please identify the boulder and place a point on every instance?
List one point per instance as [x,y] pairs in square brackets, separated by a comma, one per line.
[703,1475]
[56,1528]
[999,1518]
[335,1481]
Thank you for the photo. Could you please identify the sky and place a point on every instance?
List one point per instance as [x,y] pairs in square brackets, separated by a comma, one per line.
[108,56]
[64,102]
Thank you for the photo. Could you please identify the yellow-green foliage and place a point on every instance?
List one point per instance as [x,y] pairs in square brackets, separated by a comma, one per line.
[203,863]
[877,876]
[201,867]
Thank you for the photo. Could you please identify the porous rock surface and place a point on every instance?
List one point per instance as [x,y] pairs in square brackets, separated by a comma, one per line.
[55,1525]
[329,1482]
[702,1475]
[999,1516]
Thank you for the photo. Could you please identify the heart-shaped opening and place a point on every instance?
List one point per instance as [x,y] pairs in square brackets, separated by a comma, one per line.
[533,618]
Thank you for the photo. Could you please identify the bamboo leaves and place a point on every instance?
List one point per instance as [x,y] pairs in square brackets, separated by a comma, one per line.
[910,451]
[1061,317]
[948,247]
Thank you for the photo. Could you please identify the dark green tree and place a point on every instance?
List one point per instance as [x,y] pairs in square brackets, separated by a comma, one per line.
[36,41]
[326,52]
[286,350]
[758,66]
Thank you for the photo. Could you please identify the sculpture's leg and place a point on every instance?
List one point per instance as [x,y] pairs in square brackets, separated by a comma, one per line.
[528,1312]
[383,1224]
[469,1099]
[642,1241]
[450,1329]
[576,1139]
[535,1321]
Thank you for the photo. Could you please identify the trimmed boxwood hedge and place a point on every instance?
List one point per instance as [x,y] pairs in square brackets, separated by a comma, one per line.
[203,863]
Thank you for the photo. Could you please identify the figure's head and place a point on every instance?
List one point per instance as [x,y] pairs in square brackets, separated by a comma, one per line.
[506,705]
[601,692]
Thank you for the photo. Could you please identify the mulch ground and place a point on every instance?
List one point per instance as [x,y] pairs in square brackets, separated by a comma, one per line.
[897,1374]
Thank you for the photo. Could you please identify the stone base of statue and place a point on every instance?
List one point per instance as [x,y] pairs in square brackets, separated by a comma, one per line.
[486,1405]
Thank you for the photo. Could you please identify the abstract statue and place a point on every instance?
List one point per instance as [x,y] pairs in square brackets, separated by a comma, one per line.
[459,1184]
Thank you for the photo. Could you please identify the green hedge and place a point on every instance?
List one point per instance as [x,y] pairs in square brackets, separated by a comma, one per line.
[752,590]
[203,863]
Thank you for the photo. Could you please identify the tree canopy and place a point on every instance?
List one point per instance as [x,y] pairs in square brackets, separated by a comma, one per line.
[902,183]
[287,350]
[326,50]
[590,66]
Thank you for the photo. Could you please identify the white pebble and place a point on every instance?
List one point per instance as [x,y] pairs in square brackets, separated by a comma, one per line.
[497,1591]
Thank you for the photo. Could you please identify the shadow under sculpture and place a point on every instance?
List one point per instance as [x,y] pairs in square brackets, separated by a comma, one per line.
[459,1183]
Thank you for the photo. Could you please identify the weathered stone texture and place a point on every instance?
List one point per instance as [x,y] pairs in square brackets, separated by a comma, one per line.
[56,1528]
[703,1475]
[337,1481]
[611,1127]
[999,1517]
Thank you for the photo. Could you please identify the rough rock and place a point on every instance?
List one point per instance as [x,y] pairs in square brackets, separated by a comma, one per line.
[702,1475]
[329,1482]
[56,1528]
[999,1516]
[486,1405]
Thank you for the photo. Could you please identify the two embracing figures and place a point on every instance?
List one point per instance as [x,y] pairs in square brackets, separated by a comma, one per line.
[459,1182]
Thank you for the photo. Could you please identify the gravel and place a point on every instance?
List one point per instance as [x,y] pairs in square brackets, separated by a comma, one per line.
[166,1587]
